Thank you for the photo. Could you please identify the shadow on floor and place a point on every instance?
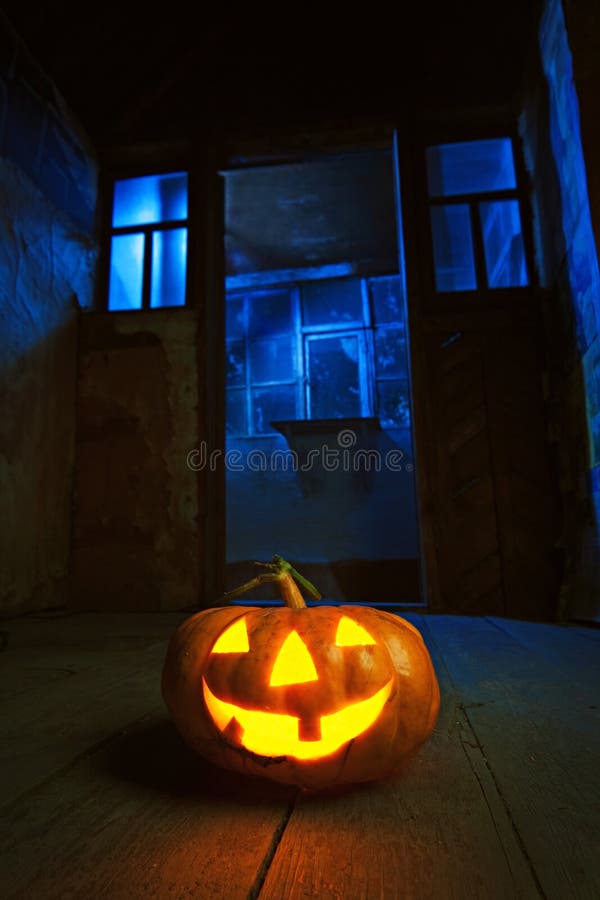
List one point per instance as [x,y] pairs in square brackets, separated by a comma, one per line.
[154,757]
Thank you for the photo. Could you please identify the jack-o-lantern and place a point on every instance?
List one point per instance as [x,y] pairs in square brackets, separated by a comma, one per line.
[313,696]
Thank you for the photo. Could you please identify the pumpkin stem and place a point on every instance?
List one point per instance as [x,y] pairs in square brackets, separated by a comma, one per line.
[284,574]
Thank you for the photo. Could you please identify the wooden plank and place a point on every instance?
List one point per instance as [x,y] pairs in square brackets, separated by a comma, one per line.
[473,461]
[466,520]
[460,431]
[143,818]
[512,414]
[573,649]
[41,648]
[442,830]
[480,581]
[462,388]
[534,711]
[488,316]
[71,684]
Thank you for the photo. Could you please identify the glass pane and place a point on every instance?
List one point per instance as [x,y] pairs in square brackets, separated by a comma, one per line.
[390,352]
[126,272]
[334,377]
[234,311]
[235,412]
[272,360]
[150,199]
[393,404]
[453,248]
[235,363]
[386,294]
[332,302]
[169,255]
[471,167]
[270,313]
[270,405]
[503,243]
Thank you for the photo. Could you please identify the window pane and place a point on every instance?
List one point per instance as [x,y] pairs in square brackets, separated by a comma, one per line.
[234,311]
[503,243]
[150,199]
[393,405]
[386,294]
[335,302]
[270,313]
[270,405]
[126,272]
[235,363]
[235,412]
[390,352]
[334,377]
[471,167]
[453,248]
[169,254]
[272,360]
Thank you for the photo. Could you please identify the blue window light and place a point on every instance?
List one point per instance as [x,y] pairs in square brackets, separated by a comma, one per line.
[471,167]
[126,272]
[169,254]
[150,200]
[334,376]
[148,250]
[323,349]
[503,243]
[463,181]
[453,248]
[270,404]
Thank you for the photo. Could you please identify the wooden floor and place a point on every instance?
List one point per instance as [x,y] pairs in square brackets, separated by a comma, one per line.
[100,799]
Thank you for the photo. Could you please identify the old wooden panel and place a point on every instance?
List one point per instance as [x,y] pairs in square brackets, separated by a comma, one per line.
[43,647]
[465,505]
[442,830]
[100,796]
[69,683]
[526,486]
[502,802]
[532,700]
[143,818]
[494,494]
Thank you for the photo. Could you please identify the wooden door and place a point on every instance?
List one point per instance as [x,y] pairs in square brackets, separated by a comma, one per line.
[495,501]
[488,491]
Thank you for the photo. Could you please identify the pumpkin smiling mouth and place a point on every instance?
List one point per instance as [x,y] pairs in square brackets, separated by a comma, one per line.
[276,734]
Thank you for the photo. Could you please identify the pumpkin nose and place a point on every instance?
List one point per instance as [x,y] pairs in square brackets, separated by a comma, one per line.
[294,664]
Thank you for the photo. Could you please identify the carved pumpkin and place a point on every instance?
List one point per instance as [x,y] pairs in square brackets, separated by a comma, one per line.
[308,696]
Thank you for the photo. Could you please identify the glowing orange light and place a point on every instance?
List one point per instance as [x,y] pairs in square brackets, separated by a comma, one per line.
[273,734]
[234,639]
[294,664]
[351,634]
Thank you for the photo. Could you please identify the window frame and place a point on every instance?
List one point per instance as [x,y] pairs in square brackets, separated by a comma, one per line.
[302,335]
[436,301]
[312,337]
[147,230]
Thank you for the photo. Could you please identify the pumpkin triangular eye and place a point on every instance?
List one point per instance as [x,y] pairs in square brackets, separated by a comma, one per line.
[294,664]
[350,634]
[234,639]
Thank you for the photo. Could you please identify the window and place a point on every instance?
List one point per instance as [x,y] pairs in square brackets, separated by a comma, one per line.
[316,350]
[475,216]
[148,245]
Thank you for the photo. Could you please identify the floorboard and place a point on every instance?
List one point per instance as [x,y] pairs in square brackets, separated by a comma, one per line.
[101,799]
[71,683]
[534,711]
[439,831]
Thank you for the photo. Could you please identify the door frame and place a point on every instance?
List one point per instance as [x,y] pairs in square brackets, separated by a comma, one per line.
[250,152]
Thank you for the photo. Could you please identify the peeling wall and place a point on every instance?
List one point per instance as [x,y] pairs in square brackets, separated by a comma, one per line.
[567,261]
[136,524]
[47,260]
